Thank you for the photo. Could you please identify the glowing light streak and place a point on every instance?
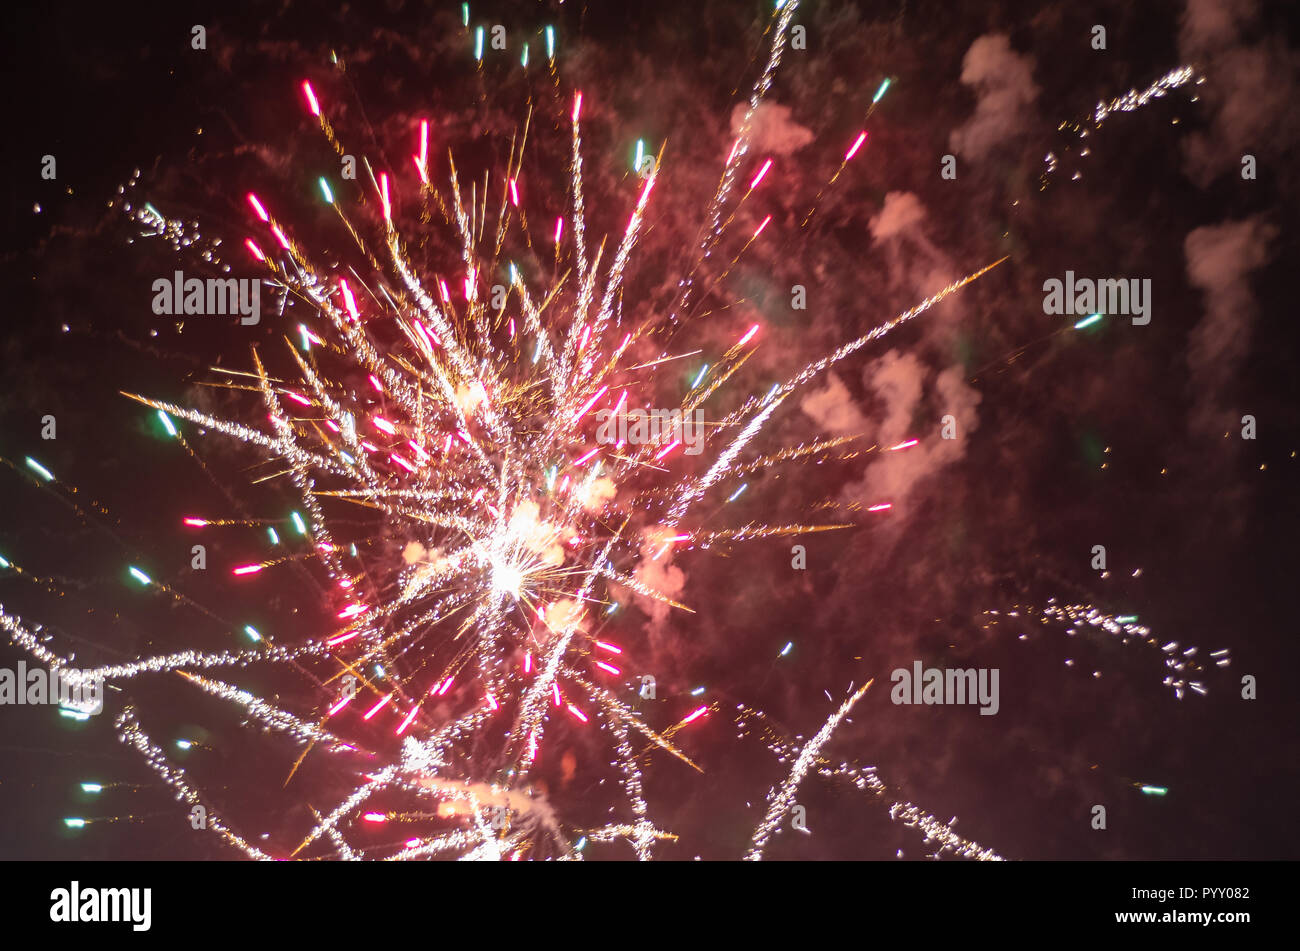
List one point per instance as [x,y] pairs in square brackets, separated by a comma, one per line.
[407,721]
[694,715]
[312,104]
[377,707]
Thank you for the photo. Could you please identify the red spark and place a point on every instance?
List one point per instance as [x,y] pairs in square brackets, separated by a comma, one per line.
[257,207]
[695,715]
[312,104]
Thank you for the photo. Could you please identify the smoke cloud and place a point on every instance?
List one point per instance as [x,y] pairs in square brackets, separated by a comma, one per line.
[1220,260]
[1004,84]
[772,130]
[1249,91]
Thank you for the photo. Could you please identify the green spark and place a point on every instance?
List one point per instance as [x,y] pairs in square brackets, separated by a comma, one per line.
[167,423]
[40,470]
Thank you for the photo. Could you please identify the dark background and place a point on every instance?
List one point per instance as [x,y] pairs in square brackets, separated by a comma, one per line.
[111,90]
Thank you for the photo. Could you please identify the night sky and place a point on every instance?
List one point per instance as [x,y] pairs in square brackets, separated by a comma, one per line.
[1118,435]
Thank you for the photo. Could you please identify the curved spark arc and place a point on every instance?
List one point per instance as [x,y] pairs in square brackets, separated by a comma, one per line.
[781,797]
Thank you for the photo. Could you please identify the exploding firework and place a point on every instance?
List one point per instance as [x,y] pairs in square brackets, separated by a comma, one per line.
[473,531]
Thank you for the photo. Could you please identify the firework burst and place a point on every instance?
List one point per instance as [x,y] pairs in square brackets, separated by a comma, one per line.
[450,412]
